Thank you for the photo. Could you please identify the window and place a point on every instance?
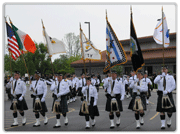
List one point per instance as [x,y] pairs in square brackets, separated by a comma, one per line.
[83,71]
[128,70]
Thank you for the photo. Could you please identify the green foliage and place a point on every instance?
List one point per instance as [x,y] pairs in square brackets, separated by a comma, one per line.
[118,69]
[41,62]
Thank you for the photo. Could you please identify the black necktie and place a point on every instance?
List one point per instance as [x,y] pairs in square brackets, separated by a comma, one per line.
[14,86]
[82,83]
[113,85]
[88,94]
[164,83]
[35,86]
[133,77]
[58,88]
[145,79]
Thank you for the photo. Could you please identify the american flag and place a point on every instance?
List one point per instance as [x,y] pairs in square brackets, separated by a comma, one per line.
[12,43]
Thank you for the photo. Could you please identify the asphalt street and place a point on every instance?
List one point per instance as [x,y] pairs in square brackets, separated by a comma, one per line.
[77,123]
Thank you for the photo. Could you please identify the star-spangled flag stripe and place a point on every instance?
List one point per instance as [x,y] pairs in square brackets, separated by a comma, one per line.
[12,43]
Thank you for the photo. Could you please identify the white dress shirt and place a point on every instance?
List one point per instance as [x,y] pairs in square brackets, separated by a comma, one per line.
[170,83]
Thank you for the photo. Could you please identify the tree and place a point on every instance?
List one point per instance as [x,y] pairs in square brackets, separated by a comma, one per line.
[118,69]
[72,44]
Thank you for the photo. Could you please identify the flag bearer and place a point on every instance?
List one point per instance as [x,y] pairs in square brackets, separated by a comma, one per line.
[18,91]
[165,103]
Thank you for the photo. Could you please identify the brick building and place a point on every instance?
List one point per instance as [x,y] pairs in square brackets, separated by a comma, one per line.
[152,54]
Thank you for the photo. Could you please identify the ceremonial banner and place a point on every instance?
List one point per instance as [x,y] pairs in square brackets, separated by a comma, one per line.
[159,31]
[89,52]
[12,43]
[24,40]
[115,54]
[54,45]
[135,50]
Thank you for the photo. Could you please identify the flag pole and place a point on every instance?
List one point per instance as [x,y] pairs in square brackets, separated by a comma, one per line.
[48,51]
[23,58]
[163,34]
[82,51]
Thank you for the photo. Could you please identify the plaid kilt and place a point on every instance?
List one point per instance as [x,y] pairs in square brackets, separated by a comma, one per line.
[143,99]
[21,105]
[159,103]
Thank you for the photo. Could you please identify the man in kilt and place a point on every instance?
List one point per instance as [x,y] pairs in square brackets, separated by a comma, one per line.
[18,91]
[131,79]
[89,105]
[138,102]
[75,82]
[149,83]
[60,89]
[82,83]
[165,103]
[39,89]
[115,95]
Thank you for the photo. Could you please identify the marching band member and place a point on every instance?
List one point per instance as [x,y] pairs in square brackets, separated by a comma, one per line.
[39,89]
[60,89]
[127,83]
[82,83]
[165,102]
[131,79]
[97,83]
[89,106]
[18,91]
[149,83]
[69,95]
[115,95]
[75,82]
[138,102]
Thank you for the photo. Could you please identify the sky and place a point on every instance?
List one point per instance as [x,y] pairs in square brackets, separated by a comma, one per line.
[60,19]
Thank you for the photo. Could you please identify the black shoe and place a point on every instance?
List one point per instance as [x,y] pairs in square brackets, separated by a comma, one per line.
[142,124]
[93,125]
[46,123]
[162,127]
[169,125]
[14,125]
[36,125]
[111,127]
[87,127]
[117,125]
[24,124]
[137,127]
[66,124]
[56,126]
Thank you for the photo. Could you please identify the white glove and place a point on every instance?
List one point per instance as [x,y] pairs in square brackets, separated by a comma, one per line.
[58,95]
[95,103]
[165,92]
[163,74]
[20,98]
[136,80]
[11,79]
[122,98]
[43,99]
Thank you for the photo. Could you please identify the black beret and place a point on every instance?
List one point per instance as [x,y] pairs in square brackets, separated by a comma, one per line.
[88,78]
[141,72]
[16,72]
[113,71]
[165,66]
